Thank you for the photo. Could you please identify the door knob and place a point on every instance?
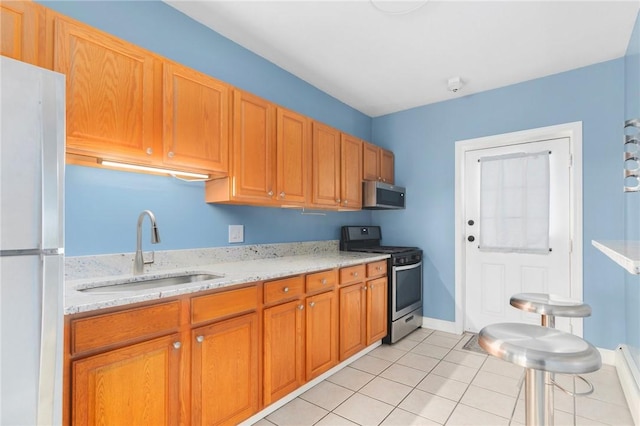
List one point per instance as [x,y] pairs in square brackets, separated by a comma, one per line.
[471,238]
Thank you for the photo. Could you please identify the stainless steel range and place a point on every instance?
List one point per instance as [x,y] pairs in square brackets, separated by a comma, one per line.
[404,271]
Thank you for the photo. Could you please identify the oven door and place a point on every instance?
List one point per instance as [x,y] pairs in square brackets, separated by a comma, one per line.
[406,289]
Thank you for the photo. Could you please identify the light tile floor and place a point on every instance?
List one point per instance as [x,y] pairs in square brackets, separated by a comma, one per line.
[428,379]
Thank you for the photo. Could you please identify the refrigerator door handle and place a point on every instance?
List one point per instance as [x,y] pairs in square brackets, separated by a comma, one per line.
[49,391]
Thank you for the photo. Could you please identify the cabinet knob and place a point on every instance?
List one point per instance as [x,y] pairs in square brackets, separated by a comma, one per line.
[285,290]
[200,339]
[355,274]
[301,307]
[346,202]
[324,281]
[364,288]
[282,194]
[379,177]
[170,154]
[177,345]
[371,286]
[379,268]
[338,200]
[312,304]
[149,151]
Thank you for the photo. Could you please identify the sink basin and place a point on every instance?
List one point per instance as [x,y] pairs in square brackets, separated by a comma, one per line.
[145,283]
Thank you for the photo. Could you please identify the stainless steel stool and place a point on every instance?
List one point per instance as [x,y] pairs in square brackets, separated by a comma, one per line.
[550,306]
[539,350]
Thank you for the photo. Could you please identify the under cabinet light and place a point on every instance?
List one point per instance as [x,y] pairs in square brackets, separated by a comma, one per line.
[174,173]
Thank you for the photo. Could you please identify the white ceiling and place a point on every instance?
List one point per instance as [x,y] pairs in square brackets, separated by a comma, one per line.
[380,62]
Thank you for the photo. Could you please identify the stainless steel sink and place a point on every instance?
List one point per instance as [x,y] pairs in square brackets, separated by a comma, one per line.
[145,283]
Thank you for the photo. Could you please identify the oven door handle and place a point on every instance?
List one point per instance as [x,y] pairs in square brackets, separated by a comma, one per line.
[406,267]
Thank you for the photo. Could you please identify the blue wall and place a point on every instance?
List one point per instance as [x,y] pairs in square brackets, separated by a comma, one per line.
[102,206]
[423,140]
[632,199]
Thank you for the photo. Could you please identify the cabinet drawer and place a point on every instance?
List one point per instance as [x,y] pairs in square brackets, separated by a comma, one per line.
[352,274]
[219,305]
[113,328]
[376,269]
[321,280]
[287,288]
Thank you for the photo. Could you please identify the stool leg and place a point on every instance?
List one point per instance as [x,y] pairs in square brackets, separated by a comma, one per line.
[535,396]
[549,380]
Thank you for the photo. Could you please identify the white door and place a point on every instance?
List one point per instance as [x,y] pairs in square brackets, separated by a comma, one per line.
[493,274]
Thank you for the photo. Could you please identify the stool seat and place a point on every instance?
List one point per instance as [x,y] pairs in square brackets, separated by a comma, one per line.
[549,304]
[540,348]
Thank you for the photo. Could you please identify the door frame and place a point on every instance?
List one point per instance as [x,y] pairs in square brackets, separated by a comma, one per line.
[571,130]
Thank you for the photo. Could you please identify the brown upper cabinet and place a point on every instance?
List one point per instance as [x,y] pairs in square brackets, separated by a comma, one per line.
[326,166]
[293,157]
[110,93]
[23,31]
[350,172]
[377,163]
[196,119]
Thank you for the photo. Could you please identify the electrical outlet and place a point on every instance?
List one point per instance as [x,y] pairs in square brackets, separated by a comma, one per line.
[236,233]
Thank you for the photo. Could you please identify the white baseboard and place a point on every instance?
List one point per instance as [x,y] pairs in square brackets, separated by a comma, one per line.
[630,386]
[608,356]
[440,325]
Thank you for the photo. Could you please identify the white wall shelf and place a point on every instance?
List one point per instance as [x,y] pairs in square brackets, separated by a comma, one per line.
[624,253]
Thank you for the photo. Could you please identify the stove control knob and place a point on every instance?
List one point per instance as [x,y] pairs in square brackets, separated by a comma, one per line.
[471,238]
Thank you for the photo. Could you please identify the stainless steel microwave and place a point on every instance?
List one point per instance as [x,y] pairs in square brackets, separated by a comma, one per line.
[379,196]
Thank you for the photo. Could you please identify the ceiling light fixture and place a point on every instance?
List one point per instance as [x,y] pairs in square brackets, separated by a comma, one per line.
[395,10]
[174,173]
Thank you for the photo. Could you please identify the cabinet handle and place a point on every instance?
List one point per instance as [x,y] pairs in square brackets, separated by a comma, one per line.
[200,339]
[270,193]
[324,281]
[177,345]
[301,307]
[170,154]
[312,304]
[285,290]
[282,194]
[149,151]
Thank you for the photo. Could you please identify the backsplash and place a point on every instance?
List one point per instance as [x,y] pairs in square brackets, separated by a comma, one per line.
[81,267]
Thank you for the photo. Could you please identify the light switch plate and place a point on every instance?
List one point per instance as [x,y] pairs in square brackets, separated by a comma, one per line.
[236,233]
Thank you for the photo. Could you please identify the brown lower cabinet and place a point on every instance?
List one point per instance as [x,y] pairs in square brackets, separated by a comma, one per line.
[137,384]
[217,358]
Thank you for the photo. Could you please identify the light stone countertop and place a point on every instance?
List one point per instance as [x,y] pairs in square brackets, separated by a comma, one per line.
[233,273]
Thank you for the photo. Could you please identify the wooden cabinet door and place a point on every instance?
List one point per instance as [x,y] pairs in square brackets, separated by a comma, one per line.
[225,371]
[376,309]
[109,93]
[326,165]
[196,119]
[351,172]
[22,28]
[386,166]
[254,148]
[283,350]
[353,317]
[322,333]
[293,157]
[138,384]
[370,162]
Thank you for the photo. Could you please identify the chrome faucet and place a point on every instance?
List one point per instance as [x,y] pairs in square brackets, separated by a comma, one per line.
[138,263]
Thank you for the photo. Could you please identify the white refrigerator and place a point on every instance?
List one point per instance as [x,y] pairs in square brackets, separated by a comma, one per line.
[32,129]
